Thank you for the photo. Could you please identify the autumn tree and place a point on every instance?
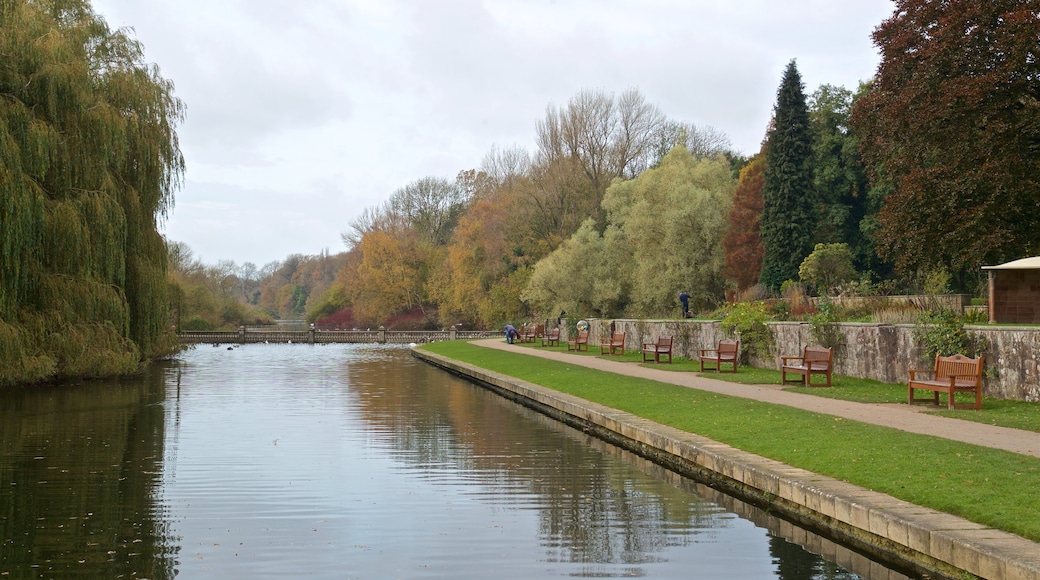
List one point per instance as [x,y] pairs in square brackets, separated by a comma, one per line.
[431,206]
[788,214]
[480,260]
[586,276]
[557,199]
[389,278]
[674,218]
[89,160]
[951,130]
[743,241]
[280,275]
[600,137]
[398,250]
[664,234]
[208,297]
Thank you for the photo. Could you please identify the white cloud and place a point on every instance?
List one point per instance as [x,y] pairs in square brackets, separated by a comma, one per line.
[301,115]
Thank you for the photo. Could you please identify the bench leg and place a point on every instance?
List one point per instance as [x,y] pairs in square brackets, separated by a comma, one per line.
[911,400]
[826,383]
[978,401]
[784,380]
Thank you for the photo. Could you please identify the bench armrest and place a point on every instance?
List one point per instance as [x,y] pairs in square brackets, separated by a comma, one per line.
[788,358]
[913,372]
[705,351]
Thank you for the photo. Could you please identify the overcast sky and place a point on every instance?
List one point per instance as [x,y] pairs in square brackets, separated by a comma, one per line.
[302,113]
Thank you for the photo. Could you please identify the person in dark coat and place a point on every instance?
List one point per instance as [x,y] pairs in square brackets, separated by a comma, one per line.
[684,298]
[511,333]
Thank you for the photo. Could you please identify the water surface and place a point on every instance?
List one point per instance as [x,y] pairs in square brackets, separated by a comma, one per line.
[351,461]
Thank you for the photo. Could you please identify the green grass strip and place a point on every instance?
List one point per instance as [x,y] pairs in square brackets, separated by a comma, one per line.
[988,486]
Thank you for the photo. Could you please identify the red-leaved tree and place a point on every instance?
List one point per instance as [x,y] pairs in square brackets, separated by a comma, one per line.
[743,242]
[951,128]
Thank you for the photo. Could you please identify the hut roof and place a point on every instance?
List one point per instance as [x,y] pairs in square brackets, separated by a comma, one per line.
[1023,264]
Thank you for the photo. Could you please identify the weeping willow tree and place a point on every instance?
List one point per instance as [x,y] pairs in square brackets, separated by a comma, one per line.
[89,159]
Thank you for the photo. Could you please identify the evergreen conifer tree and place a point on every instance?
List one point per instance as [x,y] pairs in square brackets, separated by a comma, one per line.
[788,193]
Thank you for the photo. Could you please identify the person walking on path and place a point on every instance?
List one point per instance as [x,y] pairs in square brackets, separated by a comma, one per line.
[684,298]
[511,333]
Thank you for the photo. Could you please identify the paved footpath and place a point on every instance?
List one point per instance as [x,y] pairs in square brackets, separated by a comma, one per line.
[904,417]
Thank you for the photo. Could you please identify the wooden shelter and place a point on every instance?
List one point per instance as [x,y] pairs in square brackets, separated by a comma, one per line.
[1014,291]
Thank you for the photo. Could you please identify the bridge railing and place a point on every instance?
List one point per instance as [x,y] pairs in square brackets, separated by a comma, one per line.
[313,336]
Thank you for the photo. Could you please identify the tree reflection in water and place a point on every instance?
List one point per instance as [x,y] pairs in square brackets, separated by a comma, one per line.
[80,467]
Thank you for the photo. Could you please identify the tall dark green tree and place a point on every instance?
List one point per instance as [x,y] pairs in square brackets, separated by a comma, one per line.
[89,160]
[846,213]
[788,214]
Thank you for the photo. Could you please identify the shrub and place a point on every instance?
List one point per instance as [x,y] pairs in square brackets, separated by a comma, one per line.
[822,324]
[827,266]
[747,321]
[798,305]
[941,333]
[937,282]
[196,323]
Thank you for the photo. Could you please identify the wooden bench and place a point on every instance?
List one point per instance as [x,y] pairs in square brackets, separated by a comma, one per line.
[725,353]
[952,374]
[532,332]
[552,338]
[615,344]
[815,360]
[661,348]
[525,332]
[578,341]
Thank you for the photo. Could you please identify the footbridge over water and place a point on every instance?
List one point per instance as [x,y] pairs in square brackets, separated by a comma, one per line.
[315,336]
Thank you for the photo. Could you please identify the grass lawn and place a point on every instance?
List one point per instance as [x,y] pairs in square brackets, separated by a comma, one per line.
[988,486]
[1014,414]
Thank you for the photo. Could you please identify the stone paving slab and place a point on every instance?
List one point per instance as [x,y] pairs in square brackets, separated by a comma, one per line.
[933,540]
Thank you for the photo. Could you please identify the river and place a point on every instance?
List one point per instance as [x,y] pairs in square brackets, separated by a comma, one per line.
[352,461]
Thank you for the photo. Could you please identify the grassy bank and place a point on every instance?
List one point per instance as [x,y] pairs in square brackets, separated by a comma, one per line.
[991,487]
[999,412]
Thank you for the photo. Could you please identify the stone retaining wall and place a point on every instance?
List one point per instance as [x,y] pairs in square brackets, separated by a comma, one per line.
[875,351]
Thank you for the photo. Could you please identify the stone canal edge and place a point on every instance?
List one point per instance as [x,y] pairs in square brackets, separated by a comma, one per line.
[885,528]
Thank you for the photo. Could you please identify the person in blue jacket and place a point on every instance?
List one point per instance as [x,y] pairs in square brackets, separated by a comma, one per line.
[684,298]
[511,333]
